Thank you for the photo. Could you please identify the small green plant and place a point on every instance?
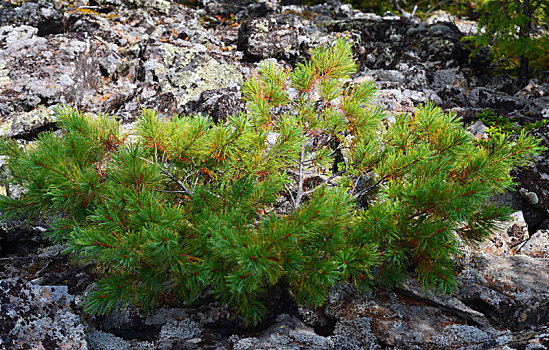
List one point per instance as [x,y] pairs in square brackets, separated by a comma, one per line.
[512,30]
[497,124]
[183,204]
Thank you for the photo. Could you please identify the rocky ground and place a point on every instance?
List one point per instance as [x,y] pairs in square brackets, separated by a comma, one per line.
[117,56]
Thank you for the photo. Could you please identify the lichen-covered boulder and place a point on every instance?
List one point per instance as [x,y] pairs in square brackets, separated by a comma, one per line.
[40,71]
[187,72]
[537,245]
[38,317]
[26,125]
[405,319]
[441,42]
[506,240]
[274,37]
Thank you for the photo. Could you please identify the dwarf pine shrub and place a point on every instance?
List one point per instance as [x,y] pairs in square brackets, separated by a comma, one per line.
[182,205]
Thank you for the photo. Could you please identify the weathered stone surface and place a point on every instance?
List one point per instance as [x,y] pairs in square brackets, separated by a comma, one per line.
[41,14]
[117,56]
[506,240]
[98,340]
[405,321]
[188,72]
[442,42]
[355,334]
[26,125]
[536,177]
[500,101]
[60,69]
[217,103]
[287,333]
[275,37]
[511,291]
[38,317]
[537,245]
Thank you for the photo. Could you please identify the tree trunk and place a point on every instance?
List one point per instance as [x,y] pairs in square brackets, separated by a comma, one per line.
[523,72]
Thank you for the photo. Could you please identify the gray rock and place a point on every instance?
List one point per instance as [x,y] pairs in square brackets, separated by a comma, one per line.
[26,125]
[180,330]
[409,320]
[355,334]
[186,73]
[503,83]
[130,317]
[60,69]
[506,240]
[442,42]
[275,37]
[38,317]
[535,178]
[218,104]
[98,340]
[288,333]
[537,245]
[478,129]
[452,77]
[500,101]
[41,14]
[389,75]
[511,291]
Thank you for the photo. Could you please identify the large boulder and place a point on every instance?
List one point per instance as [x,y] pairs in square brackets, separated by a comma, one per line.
[441,42]
[537,245]
[406,320]
[217,103]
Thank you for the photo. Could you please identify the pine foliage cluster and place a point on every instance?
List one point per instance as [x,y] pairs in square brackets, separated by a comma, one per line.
[516,32]
[183,205]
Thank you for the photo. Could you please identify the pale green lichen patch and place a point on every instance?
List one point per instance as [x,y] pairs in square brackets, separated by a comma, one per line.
[4,75]
[162,6]
[19,124]
[189,73]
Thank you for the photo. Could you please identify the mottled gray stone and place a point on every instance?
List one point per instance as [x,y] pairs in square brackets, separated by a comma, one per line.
[38,316]
[512,291]
[287,333]
[98,340]
[537,245]
[275,37]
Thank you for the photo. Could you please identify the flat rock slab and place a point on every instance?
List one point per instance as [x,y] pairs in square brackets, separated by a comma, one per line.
[511,291]
[395,320]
